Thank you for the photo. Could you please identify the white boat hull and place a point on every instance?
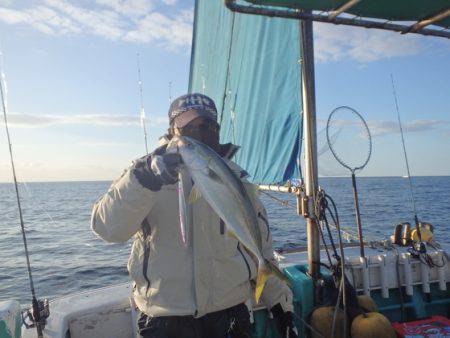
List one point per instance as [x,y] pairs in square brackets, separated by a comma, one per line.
[110,312]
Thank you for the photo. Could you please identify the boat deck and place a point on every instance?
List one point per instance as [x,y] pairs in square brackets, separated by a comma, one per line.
[110,311]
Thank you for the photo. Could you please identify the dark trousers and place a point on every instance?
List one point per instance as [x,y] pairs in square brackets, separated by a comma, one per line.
[229,323]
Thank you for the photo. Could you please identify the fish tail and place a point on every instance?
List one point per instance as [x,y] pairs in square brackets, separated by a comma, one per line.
[263,274]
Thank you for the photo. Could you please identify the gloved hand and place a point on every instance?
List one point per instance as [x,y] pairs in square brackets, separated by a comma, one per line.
[164,167]
[283,322]
[155,170]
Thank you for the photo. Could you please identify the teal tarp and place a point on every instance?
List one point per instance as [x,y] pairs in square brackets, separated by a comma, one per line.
[250,66]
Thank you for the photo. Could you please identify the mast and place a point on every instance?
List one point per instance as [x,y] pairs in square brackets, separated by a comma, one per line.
[310,143]
[141,97]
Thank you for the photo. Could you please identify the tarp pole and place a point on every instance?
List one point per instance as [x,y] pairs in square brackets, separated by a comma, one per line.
[324,17]
[290,189]
[310,143]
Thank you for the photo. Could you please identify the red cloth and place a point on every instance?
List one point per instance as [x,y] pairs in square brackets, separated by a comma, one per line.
[436,326]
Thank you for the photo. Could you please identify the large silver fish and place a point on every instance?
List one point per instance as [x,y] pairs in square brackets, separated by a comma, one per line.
[226,194]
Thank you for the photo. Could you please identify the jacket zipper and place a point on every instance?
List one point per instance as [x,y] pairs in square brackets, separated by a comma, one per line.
[245,260]
[146,230]
[222,227]
[266,222]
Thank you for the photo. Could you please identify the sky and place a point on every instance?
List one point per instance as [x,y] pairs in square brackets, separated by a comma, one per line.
[73,99]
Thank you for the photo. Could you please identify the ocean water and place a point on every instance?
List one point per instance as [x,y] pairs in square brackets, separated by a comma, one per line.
[67,257]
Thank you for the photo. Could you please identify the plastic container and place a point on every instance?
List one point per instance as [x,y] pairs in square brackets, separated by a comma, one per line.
[10,319]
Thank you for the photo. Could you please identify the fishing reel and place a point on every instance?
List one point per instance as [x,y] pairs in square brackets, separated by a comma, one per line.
[30,317]
[405,235]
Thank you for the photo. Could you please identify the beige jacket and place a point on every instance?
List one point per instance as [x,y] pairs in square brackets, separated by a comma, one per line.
[211,273]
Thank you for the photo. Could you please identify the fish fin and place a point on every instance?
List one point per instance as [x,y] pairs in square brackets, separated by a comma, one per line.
[263,274]
[194,195]
[212,174]
[230,234]
[252,191]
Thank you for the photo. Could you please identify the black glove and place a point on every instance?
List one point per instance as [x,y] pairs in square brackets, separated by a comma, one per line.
[155,170]
[164,167]
[283,322]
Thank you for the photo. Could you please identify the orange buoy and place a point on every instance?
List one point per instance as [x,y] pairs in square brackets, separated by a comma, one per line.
[372,325]
[322,322]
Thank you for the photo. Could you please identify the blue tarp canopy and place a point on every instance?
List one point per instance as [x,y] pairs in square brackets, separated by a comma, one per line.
[250,66]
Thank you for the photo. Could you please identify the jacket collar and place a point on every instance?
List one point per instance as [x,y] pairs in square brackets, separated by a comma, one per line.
[228,150]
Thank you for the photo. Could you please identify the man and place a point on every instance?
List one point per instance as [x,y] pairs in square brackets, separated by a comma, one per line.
[197,290]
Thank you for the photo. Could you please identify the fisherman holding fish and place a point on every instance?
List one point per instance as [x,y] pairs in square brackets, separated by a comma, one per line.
[202,248]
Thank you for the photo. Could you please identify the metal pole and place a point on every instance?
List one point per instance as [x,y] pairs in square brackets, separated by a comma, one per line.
[310,143]
[324,17]
[358,217]
[280,188]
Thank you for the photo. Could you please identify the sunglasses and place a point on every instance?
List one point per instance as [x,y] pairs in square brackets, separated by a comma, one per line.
[202,128]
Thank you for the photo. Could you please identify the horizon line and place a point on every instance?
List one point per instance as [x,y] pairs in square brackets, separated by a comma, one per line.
[111,180]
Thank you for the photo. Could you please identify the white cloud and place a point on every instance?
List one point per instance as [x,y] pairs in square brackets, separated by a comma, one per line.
[380,128]
[138,21]
[105,144]
[105,23]
[155,26]
[336,43]
[28,120]
[126,20]
[170,2]
[11,16]
[128,7]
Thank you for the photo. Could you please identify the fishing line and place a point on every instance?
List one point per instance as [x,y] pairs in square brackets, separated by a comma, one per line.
[335,216]
[411,190]
[35,203]
[336,307]
[34,301]
[308,326]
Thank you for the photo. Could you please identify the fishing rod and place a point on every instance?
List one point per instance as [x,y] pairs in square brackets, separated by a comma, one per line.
[421,247]
[35,304]
[142,112]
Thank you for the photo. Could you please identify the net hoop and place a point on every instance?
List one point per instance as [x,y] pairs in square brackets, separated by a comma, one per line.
[330,144]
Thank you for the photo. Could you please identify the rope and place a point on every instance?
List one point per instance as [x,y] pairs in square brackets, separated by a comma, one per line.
[308,326]
[333,325]
[285,203]
[347,233]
